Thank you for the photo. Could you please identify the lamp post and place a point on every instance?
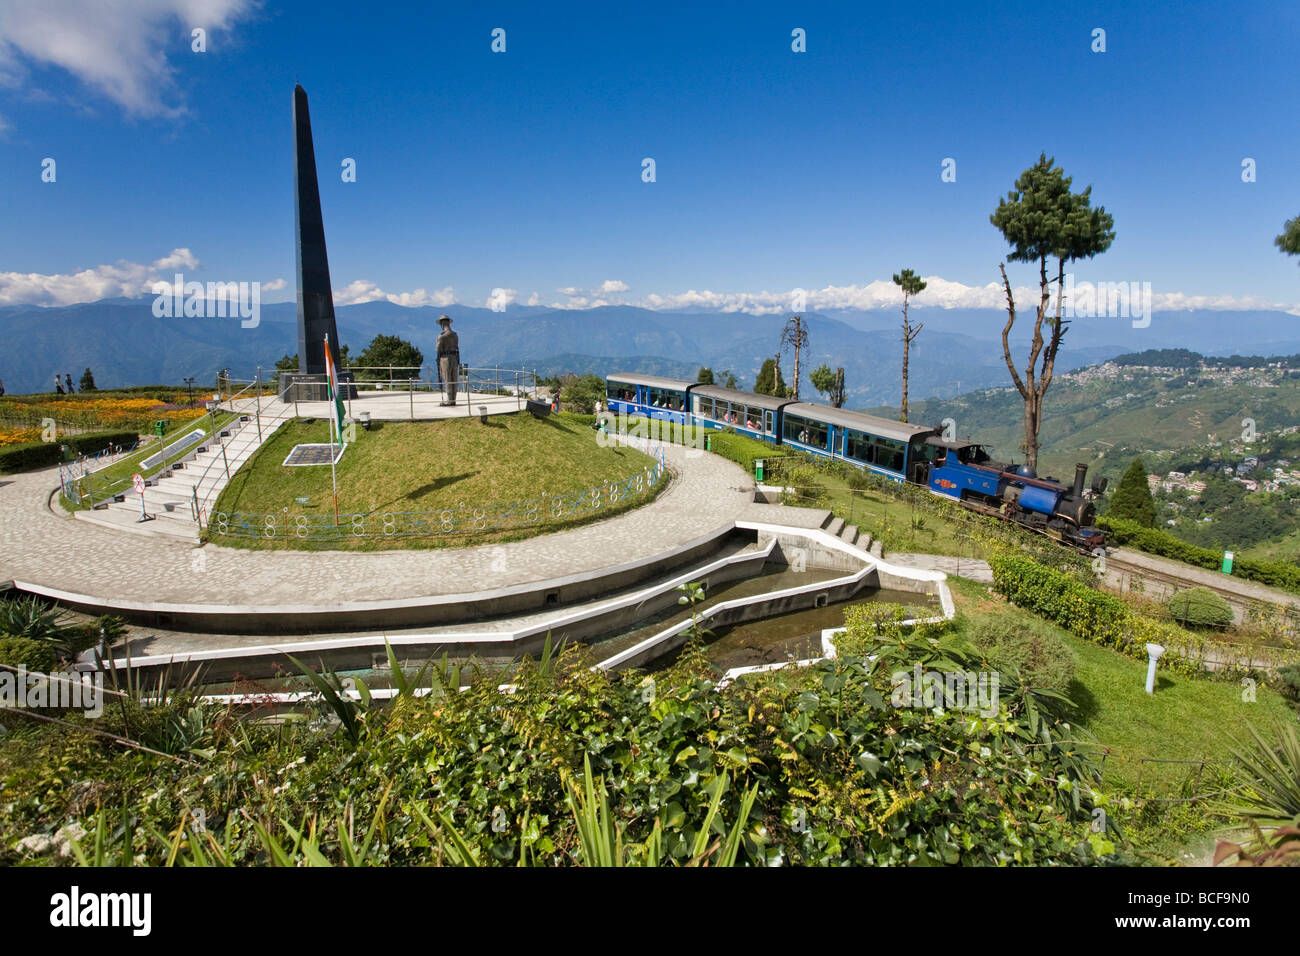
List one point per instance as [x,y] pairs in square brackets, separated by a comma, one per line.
[1153,654]
[189,384]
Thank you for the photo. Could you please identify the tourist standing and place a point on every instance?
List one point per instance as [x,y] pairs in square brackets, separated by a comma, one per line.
[58,385]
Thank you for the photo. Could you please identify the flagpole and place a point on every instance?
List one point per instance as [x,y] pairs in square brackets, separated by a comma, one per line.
[329,364]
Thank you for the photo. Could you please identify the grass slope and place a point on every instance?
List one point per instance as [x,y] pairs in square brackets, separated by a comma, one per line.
[426,467]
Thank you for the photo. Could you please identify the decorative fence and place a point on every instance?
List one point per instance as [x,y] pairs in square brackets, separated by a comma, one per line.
[71,473]
[464,519]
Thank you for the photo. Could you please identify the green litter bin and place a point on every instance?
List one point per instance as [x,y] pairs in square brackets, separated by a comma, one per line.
[708,443]
[160,426]
[1227,562]
[758,469]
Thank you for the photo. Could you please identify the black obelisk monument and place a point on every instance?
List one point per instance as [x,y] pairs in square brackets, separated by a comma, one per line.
[315,295]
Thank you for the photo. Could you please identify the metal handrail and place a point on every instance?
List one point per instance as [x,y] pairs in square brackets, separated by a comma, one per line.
[198,508]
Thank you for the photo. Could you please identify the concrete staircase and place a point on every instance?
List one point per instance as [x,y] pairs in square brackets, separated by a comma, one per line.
[200,474]
[851,534]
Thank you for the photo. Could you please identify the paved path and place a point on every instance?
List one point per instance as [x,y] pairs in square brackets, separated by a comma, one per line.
[45,547]
[976,569]
[400,405]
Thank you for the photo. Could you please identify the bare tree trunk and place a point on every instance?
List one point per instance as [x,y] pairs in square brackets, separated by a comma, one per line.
[907,342]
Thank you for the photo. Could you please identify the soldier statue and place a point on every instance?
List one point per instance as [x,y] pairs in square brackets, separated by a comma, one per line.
[448,359]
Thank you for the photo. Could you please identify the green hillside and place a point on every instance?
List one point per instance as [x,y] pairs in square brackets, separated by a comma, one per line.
[1106,415]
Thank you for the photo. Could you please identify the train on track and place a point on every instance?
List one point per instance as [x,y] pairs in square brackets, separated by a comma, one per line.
[959,470]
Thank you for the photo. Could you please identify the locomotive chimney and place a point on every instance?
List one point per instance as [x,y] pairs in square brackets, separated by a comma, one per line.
[1080,472]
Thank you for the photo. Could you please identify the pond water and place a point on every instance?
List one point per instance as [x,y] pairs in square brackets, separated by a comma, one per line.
[793,636]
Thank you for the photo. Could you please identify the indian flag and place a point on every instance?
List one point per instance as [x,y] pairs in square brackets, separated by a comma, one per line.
[335,397]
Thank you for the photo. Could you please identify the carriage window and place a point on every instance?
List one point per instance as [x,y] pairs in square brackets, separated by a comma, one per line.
[890,453]
[767,421]
[806,432]
[704,407]
[860,447]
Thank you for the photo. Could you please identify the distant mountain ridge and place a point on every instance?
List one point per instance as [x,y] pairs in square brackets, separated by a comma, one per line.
[958,351]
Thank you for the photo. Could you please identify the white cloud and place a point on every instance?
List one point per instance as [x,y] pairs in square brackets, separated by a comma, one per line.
[117,47]
[420,297]
[500,298]
[132,279]
[939,293]
[129,279]
[363,290]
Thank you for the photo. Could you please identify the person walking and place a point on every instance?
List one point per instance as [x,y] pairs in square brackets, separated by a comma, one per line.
[67,378]
[58,385]
[448,360]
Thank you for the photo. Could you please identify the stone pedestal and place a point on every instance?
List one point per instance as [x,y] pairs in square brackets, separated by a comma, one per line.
[303,387]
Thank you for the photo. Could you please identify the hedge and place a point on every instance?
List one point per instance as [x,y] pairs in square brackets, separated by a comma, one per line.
[43,454]
[26,652]
[1156,541]
[1106,620]
[1200,607]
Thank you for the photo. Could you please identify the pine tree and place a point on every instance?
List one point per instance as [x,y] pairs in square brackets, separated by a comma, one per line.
[706,376]
[911,284]
[1132,499]
[87,381]
[770,380]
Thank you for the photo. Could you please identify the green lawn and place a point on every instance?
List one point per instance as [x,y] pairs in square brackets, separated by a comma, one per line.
[425,467]
[1186,719]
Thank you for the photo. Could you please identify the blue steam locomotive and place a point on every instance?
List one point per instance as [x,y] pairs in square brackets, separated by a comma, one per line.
[898,451]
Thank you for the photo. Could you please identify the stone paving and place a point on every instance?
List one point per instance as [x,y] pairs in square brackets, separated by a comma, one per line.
[400,405]
[976,569]
[41,545]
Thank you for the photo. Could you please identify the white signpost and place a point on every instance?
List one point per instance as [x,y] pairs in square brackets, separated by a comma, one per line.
[137,482]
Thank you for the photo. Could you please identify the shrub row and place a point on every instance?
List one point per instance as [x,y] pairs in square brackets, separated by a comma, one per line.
[1155,541]
[1106,620]
[43,454]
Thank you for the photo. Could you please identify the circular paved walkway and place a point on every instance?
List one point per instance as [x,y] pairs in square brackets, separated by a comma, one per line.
[46,548]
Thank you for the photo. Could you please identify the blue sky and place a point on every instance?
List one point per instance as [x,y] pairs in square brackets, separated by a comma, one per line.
[522,170]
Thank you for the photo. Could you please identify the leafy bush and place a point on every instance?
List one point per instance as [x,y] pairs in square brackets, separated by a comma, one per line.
[1088,613]
[1289,681]
[29,457]
[805,487]
[43,454]
[741,449]
[829,771]
[1200,607]
[34,619]
[1038,656]
[1156,541]
[95,442]
[25,652]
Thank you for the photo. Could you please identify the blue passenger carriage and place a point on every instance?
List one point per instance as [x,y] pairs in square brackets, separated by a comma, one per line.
[888,448]
[648,395]
[748,413]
